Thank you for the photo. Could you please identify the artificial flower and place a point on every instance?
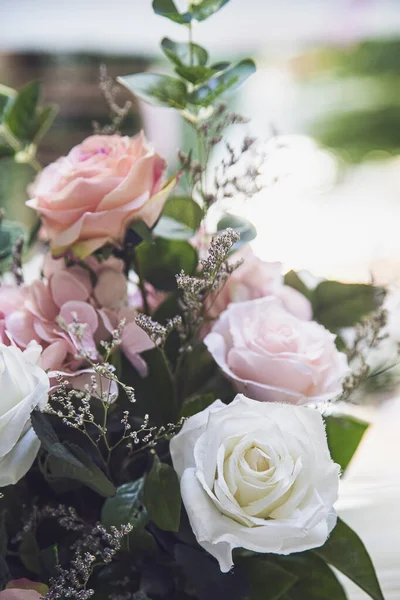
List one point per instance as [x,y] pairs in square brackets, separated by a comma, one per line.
[271,355]
[256,476]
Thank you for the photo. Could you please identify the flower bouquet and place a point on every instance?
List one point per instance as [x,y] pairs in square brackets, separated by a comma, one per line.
[168,426]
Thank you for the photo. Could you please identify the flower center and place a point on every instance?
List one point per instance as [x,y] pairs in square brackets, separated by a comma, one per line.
[256,460]
[85,156]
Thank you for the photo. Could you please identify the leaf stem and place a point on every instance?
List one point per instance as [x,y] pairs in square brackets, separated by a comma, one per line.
[18,147]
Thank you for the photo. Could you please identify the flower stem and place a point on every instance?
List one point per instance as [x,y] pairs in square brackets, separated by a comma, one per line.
[142,287]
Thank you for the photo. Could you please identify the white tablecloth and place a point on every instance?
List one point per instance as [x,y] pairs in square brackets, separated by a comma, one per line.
[369,499]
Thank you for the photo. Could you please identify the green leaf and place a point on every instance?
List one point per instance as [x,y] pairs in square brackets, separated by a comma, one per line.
[4,573]
[206,8]
[3,533]
[185,210]
[246,229]
[43,122]
[345,551]
[344,434]
[125,507]
[167,8]
[196,404]
[48,560]
[293,280]
[10,232]
[162,496]
[21,113]
[266,577]
[339,305]
[181,53]
[316,581]
[50,441]
[158,90]
[164,259]
[143,231]
[228,79]
[195,75]
[29,552]
[170,229]
[87,472]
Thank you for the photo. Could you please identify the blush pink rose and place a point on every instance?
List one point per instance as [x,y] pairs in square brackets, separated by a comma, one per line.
[272,355]
[257,279]
[88,198]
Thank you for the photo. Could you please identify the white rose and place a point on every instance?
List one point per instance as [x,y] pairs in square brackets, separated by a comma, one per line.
[23,386]
[256,476]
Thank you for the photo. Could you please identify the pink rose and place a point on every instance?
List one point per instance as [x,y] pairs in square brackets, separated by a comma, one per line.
[24,589]
[271,355]
[257,279]
[88,198]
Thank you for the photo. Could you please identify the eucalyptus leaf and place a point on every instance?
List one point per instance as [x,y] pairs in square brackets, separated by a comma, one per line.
[184,54]
[10,232]
[201,11]
[228,79]
[161,261]
[338,305]
[43,122]
[345,551]
[195,75]
[246,229]
[185,210]
[344,433]
[162,496]
[158,90]
[167,8]
[20,115]
[170,229]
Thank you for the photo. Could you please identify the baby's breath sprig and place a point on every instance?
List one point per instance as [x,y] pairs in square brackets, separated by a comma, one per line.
[118,113]
[214,272]
[369,333]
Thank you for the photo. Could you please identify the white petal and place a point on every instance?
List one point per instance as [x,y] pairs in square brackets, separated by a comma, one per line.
[15,464]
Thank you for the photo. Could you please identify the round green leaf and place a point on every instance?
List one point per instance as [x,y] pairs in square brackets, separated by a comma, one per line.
[182,53]
[170,229]
[201,11]
[20,114]
[246,229]
[158,90]
[167,8]
[228,79]
[185,210]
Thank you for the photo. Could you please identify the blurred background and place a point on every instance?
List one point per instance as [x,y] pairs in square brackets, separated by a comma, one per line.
[325,101]
[325,105]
